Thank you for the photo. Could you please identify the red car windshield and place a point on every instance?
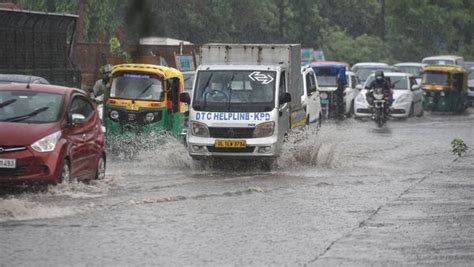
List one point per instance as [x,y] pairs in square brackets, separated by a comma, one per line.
[30,107]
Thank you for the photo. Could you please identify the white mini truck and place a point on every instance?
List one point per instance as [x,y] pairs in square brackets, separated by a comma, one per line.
[245,99]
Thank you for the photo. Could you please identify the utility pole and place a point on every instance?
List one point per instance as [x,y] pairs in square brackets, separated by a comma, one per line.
[382,19]
[81,4]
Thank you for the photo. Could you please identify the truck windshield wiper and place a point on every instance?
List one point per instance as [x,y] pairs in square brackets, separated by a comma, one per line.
[6,103]
[26,116]
[229,88]
[205,90]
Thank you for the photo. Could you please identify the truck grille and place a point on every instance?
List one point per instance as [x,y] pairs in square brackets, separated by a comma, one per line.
[224,132]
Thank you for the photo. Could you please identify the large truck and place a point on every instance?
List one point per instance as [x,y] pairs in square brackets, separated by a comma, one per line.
[245,99]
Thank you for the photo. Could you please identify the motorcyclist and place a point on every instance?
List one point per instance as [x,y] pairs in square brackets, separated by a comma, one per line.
[383,82]
[100,85]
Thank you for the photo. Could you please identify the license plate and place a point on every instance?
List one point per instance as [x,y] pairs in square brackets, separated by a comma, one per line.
[133,107]
[231,143]
[8,163]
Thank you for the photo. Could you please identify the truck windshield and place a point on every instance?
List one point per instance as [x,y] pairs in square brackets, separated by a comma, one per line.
[436,78]
[234,91]
[137,86]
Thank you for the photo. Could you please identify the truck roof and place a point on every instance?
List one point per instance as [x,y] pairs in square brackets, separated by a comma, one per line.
[240,67]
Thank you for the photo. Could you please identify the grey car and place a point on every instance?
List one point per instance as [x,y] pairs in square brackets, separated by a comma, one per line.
[21,78]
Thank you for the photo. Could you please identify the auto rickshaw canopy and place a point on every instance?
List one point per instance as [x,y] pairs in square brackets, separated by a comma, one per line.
[162,71]
[451,70]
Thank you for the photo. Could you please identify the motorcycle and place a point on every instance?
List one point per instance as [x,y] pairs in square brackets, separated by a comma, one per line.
[379,107]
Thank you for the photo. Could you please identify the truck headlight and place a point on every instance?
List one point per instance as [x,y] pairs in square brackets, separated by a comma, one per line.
[264,129]
[48,143]
[199,129]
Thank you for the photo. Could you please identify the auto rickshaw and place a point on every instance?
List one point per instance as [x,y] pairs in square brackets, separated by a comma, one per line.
[332,80]
[143,101]
[445,88]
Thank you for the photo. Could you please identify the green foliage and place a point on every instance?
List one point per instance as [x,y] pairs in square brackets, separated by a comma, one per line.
[349,30]
[458,147]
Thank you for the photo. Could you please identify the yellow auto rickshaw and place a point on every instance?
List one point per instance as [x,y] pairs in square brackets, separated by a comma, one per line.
[144,99]
[445,88]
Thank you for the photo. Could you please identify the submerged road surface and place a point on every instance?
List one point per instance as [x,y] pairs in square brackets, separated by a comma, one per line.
[348,194]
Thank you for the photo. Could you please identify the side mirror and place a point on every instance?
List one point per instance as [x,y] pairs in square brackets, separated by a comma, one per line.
[77,118]
[359,87]
[284,98]
[313,88]
[185,98]
[415,87]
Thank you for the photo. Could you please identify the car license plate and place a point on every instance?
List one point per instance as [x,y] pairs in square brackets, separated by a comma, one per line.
[133,107]
[8,163]
[231,143]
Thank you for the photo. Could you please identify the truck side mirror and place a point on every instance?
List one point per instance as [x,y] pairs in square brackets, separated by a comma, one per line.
[285,98]
[184,97]
[415,87]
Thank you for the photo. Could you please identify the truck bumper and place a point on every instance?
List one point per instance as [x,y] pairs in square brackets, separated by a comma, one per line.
[199,147]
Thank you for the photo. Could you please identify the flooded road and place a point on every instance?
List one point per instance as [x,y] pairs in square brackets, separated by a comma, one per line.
[344,194]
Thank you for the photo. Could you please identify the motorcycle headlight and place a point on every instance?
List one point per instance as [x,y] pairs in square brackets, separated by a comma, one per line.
[114,115]
[199,129]
[403,98]
[149,117]
[264,129]
[323,95]
[48,143]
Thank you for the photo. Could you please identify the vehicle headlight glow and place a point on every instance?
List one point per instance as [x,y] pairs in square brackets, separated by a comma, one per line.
[323,95]
[264,129]
[199,129]
[442,93]
[403,98]
[114,115]
[48,143]
[149,117]
[361,98]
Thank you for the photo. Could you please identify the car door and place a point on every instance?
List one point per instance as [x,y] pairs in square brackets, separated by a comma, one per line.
[82,135]
[314,103]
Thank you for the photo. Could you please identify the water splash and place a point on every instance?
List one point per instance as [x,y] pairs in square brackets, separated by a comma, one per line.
[22,209]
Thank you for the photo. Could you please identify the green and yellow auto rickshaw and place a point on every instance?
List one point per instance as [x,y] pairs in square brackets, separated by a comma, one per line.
[445,88]
[143,101]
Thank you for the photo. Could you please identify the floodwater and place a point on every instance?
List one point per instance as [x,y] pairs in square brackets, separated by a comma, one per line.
[164,209]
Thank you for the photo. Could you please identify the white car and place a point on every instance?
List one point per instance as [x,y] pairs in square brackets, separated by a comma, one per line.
[364,69]
[310,99]
[407,96]
[350,92]
[414,68]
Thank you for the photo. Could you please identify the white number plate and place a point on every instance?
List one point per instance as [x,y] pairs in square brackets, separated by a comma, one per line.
[8,163]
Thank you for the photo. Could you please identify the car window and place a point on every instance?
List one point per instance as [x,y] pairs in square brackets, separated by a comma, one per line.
[80,105]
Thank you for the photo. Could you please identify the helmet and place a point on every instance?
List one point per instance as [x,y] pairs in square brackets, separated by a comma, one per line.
[379,76]
[107,69]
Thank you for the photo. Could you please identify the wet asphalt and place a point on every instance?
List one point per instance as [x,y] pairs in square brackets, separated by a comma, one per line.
[348,194]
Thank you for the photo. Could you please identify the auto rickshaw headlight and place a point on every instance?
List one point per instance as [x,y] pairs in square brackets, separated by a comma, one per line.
[149,117]
[114,115]
[199,129]
[323,95]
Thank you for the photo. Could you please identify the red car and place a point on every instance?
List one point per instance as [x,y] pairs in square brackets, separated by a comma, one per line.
[49,134]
